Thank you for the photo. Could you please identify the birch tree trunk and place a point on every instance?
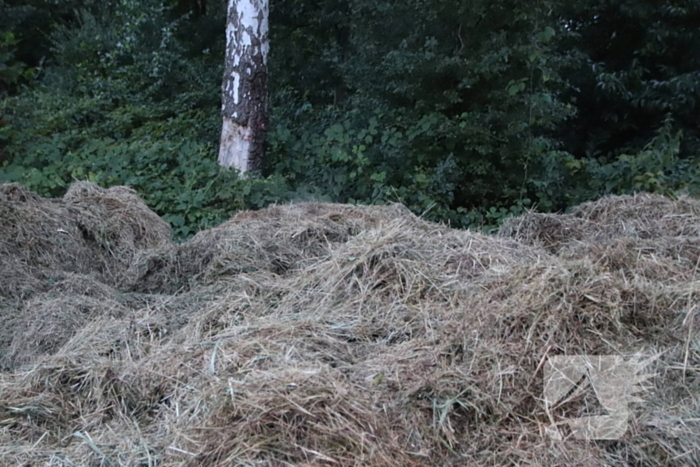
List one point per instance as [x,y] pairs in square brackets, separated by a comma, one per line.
[244,88]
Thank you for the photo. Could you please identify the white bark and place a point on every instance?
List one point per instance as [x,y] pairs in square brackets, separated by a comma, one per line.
[235,146]
[244,88]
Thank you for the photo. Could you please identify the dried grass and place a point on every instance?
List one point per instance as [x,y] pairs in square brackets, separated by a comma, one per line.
[320,335]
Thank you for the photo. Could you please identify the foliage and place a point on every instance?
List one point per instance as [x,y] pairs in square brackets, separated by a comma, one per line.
[641,65]
[158,154]
[436,106]
[12,72]
[467,112]
[655,168]
[490,107]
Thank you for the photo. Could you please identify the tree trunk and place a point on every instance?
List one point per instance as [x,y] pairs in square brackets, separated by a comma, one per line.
[244,89]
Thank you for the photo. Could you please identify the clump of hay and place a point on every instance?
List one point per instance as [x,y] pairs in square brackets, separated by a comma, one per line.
[46,322]
[648,235]
[62,261]
[318,334]
[116,220]
[37,238]
[279,240]
[91,231]
[9,310]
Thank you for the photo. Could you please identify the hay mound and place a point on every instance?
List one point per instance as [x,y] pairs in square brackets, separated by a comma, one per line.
[645,235]
[37,238]
[320,334]
[280,241]
[91,231]
[50,321]
[116,220]
[62,262]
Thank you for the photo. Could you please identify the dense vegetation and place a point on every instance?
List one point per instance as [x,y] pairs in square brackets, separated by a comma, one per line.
[465,111]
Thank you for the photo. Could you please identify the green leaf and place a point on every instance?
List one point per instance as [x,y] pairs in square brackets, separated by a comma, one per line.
[378,177]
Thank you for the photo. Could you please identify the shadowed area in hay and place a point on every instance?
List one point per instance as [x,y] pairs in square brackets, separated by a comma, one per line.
[321,334]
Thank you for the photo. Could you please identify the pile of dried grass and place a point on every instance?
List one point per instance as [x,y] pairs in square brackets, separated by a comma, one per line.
[61,262]
[645,235]
[319,334]
[37,237]
[90,231]
[278,241]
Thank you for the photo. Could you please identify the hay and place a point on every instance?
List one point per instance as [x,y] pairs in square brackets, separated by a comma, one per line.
[47,322]
[117,219]
[91,231]
[279,242]
[37,238]
[320,334]
[648,233]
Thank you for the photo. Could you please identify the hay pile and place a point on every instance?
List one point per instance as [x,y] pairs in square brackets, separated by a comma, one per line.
[322,335]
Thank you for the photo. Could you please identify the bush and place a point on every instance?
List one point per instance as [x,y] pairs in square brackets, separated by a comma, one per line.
[164,155]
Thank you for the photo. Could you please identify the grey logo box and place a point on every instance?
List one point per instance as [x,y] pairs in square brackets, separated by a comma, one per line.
[614,380]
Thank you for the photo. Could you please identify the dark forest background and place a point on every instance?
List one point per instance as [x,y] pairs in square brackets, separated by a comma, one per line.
[467,112]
